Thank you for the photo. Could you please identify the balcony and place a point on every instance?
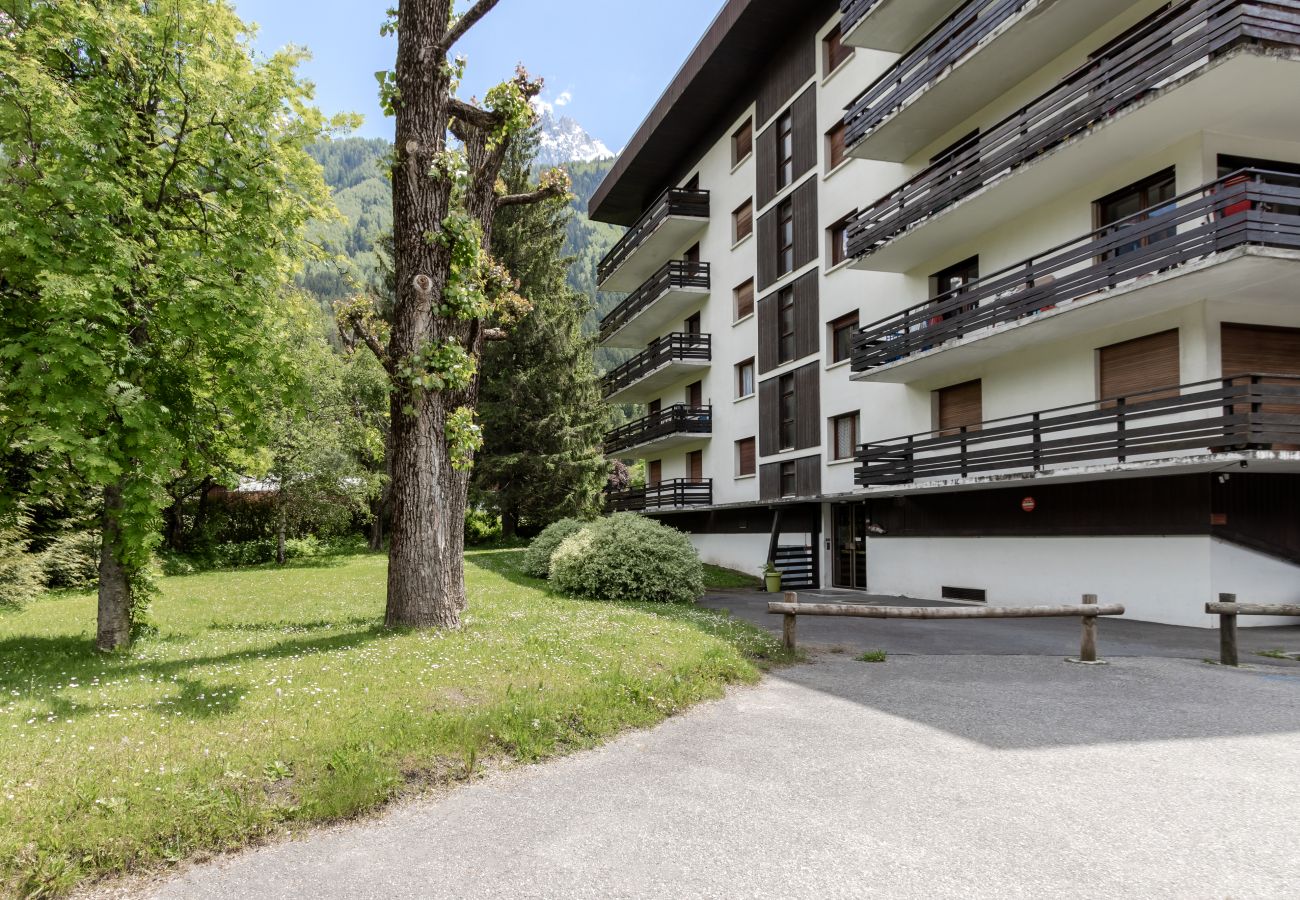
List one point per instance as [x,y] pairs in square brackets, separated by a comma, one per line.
[669,359]
[1190,248]
[1240,413]
[674,218]
[659,431]
[1226,66]
[655,305]
[892,25]
[970,59]
[676,494]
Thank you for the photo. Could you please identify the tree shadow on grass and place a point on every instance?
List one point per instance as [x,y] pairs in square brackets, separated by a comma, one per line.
[195,699]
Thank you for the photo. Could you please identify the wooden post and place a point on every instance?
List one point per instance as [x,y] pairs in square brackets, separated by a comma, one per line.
[1088,646]
[1228,633]
[788,633]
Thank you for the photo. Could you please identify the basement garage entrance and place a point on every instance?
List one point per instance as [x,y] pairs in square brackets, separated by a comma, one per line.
[851,546]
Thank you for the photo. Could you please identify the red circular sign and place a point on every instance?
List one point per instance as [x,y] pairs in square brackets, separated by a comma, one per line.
[1029,504]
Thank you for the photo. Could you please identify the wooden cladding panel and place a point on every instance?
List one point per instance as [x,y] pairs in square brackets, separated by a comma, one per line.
[1260,348]
[786,73]
[765,167]
[769,482]
[807,391]
[960,405]
[769,333]
[807,316]
[807,478]
[769,417]
[1139,365]
[806,232]
[803,123]
[767,229]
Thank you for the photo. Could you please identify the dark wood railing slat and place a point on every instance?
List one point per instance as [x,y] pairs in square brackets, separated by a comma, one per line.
[672,202]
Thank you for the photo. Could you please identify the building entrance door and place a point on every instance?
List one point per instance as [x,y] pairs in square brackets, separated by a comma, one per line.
[851,546]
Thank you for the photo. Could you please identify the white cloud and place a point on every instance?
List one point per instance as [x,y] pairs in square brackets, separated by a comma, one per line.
[563,99]
[542,107]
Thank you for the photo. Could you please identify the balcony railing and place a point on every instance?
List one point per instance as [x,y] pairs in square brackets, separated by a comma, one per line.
[676,275]
[936,53]
[1247,207]
[672,202]
[676,494]
[677,347]
[854,11]
[1163,48]
[1241,412]
[674,420]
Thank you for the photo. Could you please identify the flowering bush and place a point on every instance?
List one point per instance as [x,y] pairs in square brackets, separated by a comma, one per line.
[629,557]
[537,559]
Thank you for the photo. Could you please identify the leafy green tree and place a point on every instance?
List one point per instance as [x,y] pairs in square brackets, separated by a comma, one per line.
[154,188]
[539,404]
[450,296]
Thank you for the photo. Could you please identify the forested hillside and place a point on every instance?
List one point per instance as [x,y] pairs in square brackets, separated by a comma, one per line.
[354,170]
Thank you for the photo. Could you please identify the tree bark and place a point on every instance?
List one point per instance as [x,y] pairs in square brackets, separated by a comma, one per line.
[509,523]
[114,625]
[279,540]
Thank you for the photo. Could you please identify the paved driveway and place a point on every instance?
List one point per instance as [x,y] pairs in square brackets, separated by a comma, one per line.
[925,776]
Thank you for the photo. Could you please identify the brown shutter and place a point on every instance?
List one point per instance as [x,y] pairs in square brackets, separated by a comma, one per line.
[742,142]
[803,122]
[805,224]
[807,318]
[1139,365]
[743,221]
[808,412]
[746,457]
[835,149]
[808,476]
[769,417]
[961,405]
[769,333]
[769,481]
[744,299]
[765,167]
[695,394]
[767,227]
[1254,349]
[786,74]
[654,472]
[695,465]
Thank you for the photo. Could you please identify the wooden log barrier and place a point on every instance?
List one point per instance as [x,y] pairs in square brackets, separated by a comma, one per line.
[791,609]
[1228,609]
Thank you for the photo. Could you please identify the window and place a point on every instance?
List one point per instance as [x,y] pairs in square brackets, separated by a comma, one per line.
[1129,208]
[654,472]
[692,325]
[742,143]
[844,436]
[695,466]
[786,349]
[784,149]
[742,221]
[789,480]
[785,238]
[836,150]
[745,379]
[746,459]
[842,336]
[959,407]
[744,297]
[839,237]
[835,50]
[788,430]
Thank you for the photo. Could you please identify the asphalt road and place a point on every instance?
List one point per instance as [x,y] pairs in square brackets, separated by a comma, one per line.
[925,776]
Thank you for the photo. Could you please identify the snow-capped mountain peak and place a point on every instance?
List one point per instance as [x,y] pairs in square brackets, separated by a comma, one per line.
[564,140]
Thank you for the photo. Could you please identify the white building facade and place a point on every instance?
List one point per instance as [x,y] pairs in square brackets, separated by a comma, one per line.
[995,301]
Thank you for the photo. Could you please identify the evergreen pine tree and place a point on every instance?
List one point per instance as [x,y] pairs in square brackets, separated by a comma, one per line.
[540,404]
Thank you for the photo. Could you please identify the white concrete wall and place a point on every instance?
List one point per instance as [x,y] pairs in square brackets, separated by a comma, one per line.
[741,552]
[1158,579]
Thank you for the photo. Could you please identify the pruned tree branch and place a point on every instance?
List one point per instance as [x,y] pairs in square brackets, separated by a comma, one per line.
[469,114]
[545,192]
[465,23]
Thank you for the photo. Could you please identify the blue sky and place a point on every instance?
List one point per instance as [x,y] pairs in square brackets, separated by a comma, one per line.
[605,61]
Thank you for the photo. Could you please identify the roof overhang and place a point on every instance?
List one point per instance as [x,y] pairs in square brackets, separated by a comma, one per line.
[717,80]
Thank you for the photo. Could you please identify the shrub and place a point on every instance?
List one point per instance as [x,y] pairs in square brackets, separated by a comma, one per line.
[537,559]
[481,527]
[72,561]
[21,576]
[629,557]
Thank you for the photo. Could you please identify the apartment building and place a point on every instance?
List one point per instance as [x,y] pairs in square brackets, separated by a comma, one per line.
[995,300]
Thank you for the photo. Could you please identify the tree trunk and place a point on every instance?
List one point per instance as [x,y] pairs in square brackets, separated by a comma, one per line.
[114,627]
[376,539]
[509,523]
[279,540]
[426,583]
[173,524]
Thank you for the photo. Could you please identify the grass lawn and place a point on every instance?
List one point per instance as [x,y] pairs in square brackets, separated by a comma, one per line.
[271,697]
[717,578]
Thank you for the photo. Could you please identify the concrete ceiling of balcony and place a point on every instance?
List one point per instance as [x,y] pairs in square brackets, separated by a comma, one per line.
[657,248]
[662,445]
[1243,92]
[895,25]
[652,384]
[1257,277]
[1019,47]
[663,313]
[717,81]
